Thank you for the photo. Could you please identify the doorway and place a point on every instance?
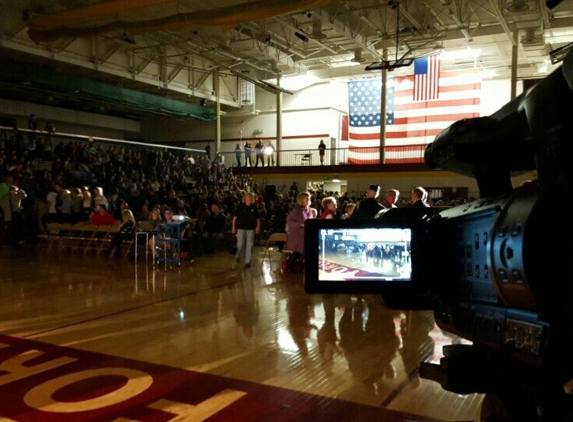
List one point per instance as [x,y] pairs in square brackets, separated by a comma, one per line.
[327,186]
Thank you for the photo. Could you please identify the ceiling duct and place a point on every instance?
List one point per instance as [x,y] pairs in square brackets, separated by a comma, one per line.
[316,33]
[358,56]
[525,14]
[531,37]
[518,6]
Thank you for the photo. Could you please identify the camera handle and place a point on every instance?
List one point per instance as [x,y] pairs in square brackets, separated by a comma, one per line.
[514,392]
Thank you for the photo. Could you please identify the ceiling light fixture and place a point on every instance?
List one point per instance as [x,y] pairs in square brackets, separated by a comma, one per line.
[336,179]
[463,53]
[300,36]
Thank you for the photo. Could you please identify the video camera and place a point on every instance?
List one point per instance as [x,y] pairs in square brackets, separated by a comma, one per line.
[496,271]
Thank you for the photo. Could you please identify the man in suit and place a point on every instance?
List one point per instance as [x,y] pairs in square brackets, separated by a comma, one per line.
[419,197]
[368,207]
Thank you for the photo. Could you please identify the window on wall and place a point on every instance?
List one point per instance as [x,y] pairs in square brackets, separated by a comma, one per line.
[246,92]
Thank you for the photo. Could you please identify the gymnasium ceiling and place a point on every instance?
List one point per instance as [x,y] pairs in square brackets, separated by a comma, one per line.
[147,45]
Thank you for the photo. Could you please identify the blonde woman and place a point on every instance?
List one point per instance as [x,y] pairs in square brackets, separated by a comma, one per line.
[77,204]
[328,204]
[87,206]
[99,198]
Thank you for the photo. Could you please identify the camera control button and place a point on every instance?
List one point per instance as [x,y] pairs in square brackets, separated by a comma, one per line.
[503,276]
[517,276]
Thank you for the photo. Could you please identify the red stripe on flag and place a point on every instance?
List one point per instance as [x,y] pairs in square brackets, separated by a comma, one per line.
[437,118]
[436,104]
[460,88]
[344,130]
[426,86]
[413,133]
[363,136]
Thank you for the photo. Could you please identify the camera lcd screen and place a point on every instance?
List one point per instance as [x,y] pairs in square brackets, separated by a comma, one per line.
[364,254]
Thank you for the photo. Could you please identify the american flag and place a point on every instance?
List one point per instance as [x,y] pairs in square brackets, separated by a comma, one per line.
[426,78]
[410,125]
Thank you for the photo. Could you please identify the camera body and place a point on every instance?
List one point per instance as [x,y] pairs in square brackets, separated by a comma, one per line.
[482,266]
[496,271]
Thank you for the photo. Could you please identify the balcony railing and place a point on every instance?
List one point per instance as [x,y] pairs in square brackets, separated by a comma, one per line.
[410,154]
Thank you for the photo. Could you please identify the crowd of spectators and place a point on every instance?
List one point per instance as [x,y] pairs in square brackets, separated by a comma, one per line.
[65,181]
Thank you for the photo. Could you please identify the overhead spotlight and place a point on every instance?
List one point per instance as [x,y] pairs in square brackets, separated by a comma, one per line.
[309,14]
[300,36]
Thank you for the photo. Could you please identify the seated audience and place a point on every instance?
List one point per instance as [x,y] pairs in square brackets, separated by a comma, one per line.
[101,217]
[215,229]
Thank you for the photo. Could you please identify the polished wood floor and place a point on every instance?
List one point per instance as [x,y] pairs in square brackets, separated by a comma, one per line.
[92,338]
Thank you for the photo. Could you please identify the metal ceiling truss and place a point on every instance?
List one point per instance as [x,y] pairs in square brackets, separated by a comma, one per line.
[163,46]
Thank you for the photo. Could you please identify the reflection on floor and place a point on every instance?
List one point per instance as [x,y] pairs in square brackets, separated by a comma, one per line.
[89,338]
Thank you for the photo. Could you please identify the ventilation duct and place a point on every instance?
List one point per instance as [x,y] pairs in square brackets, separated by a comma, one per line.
[358,56]
[316,33]
[85,89]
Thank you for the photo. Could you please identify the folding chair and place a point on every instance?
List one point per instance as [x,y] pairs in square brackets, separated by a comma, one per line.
[76,235]
[88,240]
[105,236]
[50,236]
[273,245]
[64,236]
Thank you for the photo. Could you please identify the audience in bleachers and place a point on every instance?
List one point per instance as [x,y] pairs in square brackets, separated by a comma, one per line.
[65,181]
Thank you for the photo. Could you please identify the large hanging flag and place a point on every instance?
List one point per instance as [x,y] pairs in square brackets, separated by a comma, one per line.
[410,125]
[426,78]
[364,121]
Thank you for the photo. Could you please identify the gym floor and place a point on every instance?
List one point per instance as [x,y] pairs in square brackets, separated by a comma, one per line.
[88,338]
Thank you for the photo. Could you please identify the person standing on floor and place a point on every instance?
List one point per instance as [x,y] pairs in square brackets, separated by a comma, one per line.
[11,206]
[329,206]
[270,153]
[248,152]
[368,207]
[419,197]
[321,151]
[390,198]
[259,154]
[301,212]
[245,225]
[238,153]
